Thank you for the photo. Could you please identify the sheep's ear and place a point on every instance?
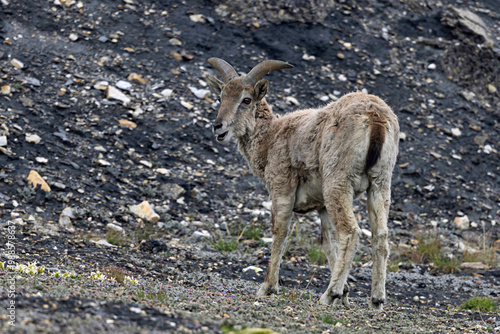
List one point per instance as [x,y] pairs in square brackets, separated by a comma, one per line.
[215,84]
[260,89]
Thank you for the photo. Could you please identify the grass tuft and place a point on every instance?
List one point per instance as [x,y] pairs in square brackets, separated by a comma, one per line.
[227,245]
[116,238]
[481,304]
[115,272]
[316,255]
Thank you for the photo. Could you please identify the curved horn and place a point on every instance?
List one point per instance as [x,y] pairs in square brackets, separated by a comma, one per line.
[262,69]
[226,70]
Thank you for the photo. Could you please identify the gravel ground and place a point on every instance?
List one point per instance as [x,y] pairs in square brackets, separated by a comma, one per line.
[106,102]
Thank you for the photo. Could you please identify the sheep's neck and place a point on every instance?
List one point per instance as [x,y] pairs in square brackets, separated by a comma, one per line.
[255,143]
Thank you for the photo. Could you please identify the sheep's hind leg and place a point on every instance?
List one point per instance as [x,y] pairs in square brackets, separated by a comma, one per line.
[329,241]
[378,211]
[340,209]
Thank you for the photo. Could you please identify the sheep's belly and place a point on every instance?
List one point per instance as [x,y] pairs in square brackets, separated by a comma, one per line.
[309,195]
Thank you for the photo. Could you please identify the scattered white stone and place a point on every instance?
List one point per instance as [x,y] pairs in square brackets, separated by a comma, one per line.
[3,141]
[175,41]
[473,224]
[163,171]
[114,227]
[100,148]
[198,18]
[267,240]
[492,89]
[146,163]
[259,213]
[307,57]
[187,105]
[103,162]
[474,265]
[125,85]
[104,243]
[33,138]
[487,149]
[456,156]
[73,37]
[342,77]
[113,93]
[65,219]
[18,221]
[41,160]
[434,223]
[6,90]
[137,310]
[199,93]
[17,63]
[429,187]
[366,233]
[32,81]
[324,98]
[101,85]
[267,205]
[202,233]
[402,136]
[292,100]
[456,132]
[254,268]
[431,66]
[145,211]
[166,93]
[462,222]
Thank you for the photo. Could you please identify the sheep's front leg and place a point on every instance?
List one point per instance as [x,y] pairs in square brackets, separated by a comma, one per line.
[281,211]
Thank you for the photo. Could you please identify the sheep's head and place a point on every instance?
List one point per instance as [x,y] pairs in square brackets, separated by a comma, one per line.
[239,96]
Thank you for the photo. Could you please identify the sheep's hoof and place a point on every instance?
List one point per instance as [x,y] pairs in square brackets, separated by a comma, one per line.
[266,290]
[334,299]
[377,304]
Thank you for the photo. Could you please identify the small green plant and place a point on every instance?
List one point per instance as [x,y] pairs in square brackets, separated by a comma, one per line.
[316,255]
[115,272]
[481,304]
[144,233]
[116,238]
[156,294]
[429,249]
[27,193]
[227,245]
[254,232]
[393,265]
[330,320]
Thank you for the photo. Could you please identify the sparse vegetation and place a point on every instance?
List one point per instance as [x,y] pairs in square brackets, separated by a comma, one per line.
[316,255]
[116,238]
[117,273]
[481,304]
[428,249]
[227,245]
[156,294]
[254,232]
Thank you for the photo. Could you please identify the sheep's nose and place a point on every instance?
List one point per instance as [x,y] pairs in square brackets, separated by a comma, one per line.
[217,127]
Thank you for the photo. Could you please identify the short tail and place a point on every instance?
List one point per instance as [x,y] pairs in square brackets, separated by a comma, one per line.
[377,138]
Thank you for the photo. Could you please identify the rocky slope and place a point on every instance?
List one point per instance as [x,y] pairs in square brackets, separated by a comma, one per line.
[106,101]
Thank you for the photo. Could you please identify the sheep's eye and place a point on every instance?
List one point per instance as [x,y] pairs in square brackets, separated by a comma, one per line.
[247,100]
